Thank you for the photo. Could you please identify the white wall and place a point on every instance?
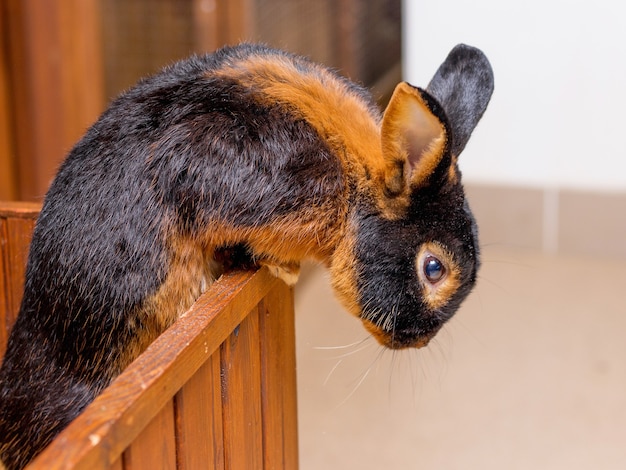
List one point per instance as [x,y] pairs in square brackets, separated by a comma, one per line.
[558,115]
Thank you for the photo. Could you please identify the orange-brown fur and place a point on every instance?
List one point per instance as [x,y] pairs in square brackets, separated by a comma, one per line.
[342,270]
[353,133]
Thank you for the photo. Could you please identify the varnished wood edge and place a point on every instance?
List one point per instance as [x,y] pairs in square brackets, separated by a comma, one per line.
[21,210]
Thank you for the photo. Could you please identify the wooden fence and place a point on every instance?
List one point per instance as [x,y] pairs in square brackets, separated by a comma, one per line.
[216,390]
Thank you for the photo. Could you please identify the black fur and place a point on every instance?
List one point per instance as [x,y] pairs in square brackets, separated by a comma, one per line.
[463,86]
[388,281]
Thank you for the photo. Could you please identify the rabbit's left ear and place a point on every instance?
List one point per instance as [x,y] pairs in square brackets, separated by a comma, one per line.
[463,85]
[414,138]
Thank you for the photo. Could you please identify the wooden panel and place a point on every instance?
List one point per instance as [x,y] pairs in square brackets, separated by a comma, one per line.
[241,389]
[17,221]
[82,71]
[237,18]
[301,26]
[216,23]
[118,465]
[155,447]
[141,36]
[19,235]
[8,187]
[109,424]
[56,83]
[19,210]
[278,387]
[4,289]
[199,419]
[206,25]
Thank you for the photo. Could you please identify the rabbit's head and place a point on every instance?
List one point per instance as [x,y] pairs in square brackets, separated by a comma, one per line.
[405,271]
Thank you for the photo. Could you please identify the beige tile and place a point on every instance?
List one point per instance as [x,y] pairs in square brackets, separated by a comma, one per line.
[507,216]
[592,223]
[530,373]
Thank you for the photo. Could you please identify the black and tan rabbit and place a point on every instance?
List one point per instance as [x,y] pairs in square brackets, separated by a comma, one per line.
[251,151]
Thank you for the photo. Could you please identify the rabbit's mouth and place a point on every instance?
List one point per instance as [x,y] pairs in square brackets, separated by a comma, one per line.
[400,338]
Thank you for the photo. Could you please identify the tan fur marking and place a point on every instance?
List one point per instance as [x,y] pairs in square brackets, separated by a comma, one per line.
[453,174]
[190,272]
[340,117]
[439,294]
[343,272]
[310,233]
[318,98]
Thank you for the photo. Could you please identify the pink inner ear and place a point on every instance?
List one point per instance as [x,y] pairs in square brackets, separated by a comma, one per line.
[410,129]
[422,133]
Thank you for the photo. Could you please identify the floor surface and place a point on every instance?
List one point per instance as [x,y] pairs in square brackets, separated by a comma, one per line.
[530,373]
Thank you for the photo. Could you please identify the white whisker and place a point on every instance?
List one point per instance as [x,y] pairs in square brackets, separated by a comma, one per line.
[362,377]
[332,371]
[346,346]
[350,353]
[358,385]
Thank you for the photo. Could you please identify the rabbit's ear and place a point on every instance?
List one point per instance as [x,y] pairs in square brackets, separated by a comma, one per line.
[413,136]
[463,86]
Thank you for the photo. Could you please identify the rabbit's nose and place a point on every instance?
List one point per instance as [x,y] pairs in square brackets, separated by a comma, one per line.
[401,338]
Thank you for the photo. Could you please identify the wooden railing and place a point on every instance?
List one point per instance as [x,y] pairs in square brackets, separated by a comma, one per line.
[216,390]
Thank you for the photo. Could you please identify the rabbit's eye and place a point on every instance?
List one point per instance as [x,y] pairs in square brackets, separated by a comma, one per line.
[434,270]
[438,274]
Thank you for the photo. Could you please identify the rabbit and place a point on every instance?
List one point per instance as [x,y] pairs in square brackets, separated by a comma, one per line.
[246,155]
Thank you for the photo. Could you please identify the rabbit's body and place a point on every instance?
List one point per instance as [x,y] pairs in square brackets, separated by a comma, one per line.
[248,149]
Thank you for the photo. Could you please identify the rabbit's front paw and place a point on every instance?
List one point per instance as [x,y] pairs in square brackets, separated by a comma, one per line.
[288,273]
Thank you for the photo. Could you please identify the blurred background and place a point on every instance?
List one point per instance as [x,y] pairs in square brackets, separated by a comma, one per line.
[531,372]
[63,61]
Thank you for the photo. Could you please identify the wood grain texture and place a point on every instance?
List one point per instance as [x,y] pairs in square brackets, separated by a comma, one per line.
[17,221]
[55,75]
[155,447]
[19,235]
[4,288]
[200,437]
[8,186]
[109,425]
[278,385]
[118,465]
[241,396]
[19,210]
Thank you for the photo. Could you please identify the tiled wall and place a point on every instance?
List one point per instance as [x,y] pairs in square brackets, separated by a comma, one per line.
[550,220]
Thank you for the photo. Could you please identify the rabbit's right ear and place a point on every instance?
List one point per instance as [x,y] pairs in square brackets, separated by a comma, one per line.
[414,138]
